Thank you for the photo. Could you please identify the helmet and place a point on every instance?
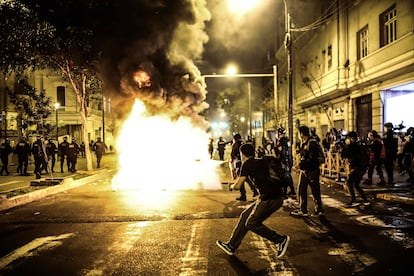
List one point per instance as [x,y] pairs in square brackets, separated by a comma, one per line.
[281,130]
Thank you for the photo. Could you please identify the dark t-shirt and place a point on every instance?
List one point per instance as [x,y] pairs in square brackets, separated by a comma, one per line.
[257,171]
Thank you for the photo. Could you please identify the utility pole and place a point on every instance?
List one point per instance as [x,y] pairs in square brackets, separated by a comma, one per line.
[288,46]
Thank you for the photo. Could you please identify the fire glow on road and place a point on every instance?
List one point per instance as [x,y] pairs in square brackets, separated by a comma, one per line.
[158,153]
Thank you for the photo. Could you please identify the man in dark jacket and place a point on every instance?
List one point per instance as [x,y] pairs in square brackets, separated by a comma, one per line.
[51,150]
[5,150]
[72,152]
[39,155]
[391,148]
[22,150]
[270,200]
[309,174]
[353,151]
[283,151]
[376,160]
[221,148]
[99,148]
[63,153]
[235,165]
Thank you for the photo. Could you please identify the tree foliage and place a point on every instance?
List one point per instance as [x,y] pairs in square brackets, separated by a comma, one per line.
[32,106]
[48,35]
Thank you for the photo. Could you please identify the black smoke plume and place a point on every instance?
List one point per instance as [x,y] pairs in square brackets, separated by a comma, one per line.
[161,39]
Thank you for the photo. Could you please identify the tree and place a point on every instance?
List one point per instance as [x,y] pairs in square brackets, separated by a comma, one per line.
[32,106]
[47,38]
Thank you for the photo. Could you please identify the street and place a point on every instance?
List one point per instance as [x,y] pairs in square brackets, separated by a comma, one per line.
[93,230]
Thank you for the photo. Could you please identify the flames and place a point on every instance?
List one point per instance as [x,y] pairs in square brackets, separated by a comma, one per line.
[157,153]
[142,79]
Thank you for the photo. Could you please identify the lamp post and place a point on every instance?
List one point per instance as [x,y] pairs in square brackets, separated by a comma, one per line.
[57,105]
[288,46]
[274,75]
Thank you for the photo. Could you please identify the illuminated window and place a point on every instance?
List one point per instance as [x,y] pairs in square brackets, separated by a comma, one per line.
[362,43]
[388,25]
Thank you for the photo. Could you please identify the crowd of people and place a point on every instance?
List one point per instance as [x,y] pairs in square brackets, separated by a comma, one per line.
[45,153]
[363,156]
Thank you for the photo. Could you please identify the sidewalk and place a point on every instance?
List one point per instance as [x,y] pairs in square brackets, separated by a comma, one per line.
[16,190]
[401,191]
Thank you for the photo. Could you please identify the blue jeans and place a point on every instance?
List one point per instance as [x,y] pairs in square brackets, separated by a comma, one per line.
[252,219]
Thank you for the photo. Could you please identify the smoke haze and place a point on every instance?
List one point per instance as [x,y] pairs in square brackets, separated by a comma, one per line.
[160,38]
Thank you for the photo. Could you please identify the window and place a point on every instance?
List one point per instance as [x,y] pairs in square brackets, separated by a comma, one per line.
[388,25]
[362,43]
[60,95]
[329,56]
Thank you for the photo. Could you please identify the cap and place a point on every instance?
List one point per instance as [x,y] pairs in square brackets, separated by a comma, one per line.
[388,124]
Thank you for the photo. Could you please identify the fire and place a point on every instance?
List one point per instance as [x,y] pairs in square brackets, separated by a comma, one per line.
[142,79]
[156,153]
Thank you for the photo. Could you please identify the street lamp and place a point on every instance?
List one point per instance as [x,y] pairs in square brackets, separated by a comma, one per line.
[274,75]
[288,46]
[57,105]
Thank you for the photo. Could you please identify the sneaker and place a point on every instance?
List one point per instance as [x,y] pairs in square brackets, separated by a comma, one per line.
[366,203]
[318,214]
[352,204]
[299,213]
[282,246]
[226,247]
[242,198]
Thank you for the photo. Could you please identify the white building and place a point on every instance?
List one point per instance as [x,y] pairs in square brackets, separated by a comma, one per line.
[354,71]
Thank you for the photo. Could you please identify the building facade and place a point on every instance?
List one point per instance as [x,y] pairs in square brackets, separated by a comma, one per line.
[353,67]
[65,117]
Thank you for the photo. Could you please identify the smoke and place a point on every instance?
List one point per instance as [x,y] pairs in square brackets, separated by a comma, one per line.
[149,53]
[242,36]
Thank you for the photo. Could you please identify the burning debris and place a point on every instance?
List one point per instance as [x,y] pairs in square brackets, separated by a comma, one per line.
[159,94]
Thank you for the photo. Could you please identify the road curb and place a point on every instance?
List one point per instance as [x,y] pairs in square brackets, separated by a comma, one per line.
[390,196]
[67,184]
[396,198]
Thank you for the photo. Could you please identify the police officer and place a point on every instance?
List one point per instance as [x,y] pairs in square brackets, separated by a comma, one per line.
[283,152]
[72,153]
[309,174]
[51,150]
[391,148]
[99,147]
[39,155]
[236,163]
[221,147]
[63,153]
[5,150]
[22,150]
[358,164]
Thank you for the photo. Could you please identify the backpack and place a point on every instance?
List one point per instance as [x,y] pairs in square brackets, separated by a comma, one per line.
[277,175]
[321,154]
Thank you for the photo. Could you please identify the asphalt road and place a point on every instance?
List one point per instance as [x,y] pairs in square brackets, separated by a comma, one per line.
[92,230]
